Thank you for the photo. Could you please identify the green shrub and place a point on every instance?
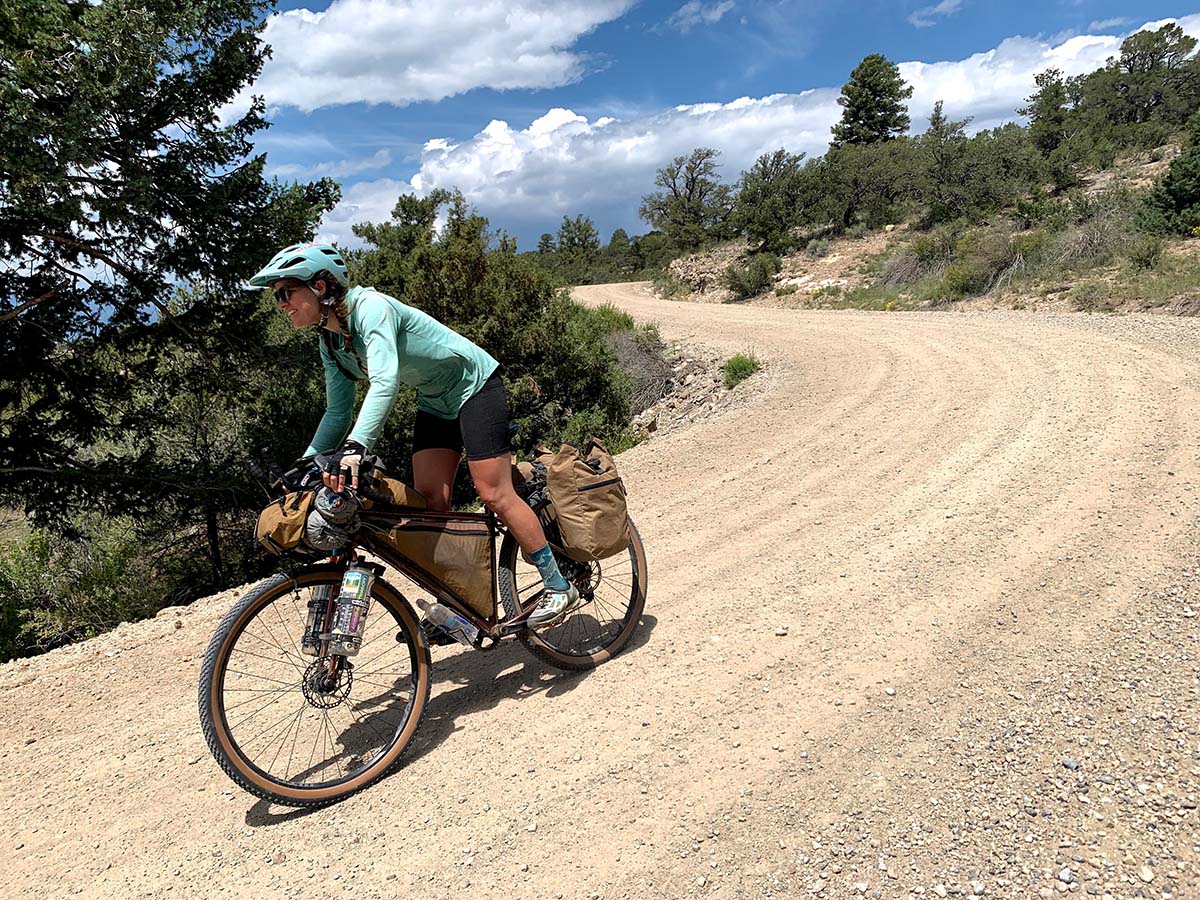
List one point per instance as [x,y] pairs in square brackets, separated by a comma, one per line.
[1031,244]
[933,291]
[784,289]
[755,278]
[1146,252]
[739,367]
[609,318]
[936,246]
[871,296]
[669,287]
[818,248]
[1053,213]
[858,230]
[875,263]
[981,256]
[926,255]
[55,590]
[1091,296]
[1174,204]
[594,423]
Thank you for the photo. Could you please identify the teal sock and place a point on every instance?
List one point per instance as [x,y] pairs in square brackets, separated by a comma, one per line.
[551,577]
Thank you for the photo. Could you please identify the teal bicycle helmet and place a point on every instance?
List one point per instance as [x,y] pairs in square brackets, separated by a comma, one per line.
[303,261]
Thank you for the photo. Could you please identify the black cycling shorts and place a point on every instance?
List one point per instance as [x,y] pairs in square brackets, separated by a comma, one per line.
[481,427]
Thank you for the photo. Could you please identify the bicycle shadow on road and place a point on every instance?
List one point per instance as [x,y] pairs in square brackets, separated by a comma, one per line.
[466,683]
[482,681]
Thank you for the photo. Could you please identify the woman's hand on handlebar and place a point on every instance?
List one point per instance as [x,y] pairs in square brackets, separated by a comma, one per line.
[341,467]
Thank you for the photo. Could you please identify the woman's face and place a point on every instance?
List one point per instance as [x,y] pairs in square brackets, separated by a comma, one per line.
[299,302]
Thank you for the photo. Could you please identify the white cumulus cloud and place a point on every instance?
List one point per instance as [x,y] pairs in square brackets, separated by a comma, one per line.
[1105,24]
[339,169]
[563,163]
[408,51]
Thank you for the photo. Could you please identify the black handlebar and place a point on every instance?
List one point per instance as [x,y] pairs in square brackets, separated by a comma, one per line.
[305,475]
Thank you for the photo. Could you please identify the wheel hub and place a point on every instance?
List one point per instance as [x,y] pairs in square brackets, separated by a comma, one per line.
[323,690]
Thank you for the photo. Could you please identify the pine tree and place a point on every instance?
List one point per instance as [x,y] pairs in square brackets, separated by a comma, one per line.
[945,149]
[771,201]
[1174,204]
[872,102]
[1047,111]
[130,215]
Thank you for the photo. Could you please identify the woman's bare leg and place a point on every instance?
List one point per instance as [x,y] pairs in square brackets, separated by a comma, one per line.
[433,476]
[493,482]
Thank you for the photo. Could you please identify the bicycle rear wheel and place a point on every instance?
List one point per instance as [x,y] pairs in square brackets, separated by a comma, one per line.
[612,593]
[285,729]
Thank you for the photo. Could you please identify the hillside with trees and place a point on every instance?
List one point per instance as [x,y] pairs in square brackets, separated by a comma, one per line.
[140,375]
[1012,207]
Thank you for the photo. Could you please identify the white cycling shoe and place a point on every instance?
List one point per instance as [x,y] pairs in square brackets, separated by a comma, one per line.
[554,604]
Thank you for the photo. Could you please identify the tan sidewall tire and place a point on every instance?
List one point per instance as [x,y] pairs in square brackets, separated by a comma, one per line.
[216,659]
[542,650]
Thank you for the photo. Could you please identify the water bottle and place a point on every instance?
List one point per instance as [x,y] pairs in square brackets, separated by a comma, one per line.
[310,644]
[350,613]
[450,622]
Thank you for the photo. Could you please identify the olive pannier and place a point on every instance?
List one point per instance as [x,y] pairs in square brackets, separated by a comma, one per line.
[280,526]
[588,499]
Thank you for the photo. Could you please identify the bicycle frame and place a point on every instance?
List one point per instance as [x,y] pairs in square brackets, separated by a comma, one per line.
[370,539]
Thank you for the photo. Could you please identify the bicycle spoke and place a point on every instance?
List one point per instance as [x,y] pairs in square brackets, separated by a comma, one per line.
[277,691]
[332,742]
[261,677]
[293,721]
[283,650]
[386,687]
[288,631]
[299,717]
[267,628]
[288,702]
[259,656]
[270,729]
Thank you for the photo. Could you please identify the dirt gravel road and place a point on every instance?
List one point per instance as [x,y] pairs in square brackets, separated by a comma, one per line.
[921,622]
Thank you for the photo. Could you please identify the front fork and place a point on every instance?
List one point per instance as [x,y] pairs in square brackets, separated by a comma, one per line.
[321,620]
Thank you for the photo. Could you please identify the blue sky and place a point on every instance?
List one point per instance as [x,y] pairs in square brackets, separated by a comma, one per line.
[542,108]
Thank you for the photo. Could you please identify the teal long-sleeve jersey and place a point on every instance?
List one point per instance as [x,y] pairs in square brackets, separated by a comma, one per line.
[399,345]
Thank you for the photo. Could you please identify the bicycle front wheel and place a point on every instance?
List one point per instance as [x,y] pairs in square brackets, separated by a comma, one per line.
[305,730]
[612,596]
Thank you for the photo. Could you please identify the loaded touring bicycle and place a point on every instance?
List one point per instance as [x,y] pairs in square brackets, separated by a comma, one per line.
[315,681]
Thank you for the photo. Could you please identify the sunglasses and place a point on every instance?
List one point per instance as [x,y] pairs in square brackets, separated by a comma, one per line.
[284,294]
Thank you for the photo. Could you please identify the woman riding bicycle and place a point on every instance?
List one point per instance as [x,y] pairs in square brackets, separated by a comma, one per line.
[461,403]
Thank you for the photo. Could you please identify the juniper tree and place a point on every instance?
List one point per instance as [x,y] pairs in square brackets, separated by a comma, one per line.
[872,101]
[693,207]
[130,212]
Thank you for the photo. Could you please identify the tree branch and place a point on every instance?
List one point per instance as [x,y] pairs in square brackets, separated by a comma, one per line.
[129,273]
[13,313]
